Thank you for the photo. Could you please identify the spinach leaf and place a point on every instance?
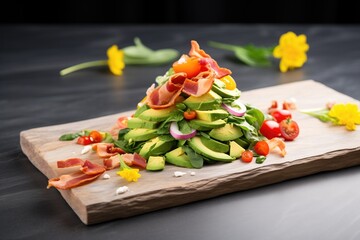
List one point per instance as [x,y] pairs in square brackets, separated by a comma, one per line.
[122,133]
[139,54]
[69,136]
[260,159]
[250,55]
[184,126]
[196,160]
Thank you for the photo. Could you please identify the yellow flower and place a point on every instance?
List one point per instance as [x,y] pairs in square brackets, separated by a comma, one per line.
[126,172]
[116,60]
[292,51]
[346,114]
[130,174]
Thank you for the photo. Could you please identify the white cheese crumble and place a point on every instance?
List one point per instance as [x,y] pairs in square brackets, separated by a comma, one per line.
[106,176]
[179,174]
[122,190]
[86,149]
[192,173]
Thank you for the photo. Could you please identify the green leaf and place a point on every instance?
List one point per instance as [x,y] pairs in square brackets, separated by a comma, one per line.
[69,136]
[258,117]
[260,159]
[250,54]
[161,80]
[184,127]
[196,160]
[122,133]
[321,114]
[139,54]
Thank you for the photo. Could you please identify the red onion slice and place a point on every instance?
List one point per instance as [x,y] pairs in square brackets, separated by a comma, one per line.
[175,132]
[234,110]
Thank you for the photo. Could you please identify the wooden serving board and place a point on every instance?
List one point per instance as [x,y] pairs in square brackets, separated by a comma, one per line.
[319,147]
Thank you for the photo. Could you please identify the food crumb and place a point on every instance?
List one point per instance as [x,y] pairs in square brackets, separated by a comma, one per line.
[86,149]
[106,176]
[192,173]
[179,174]
[122,190]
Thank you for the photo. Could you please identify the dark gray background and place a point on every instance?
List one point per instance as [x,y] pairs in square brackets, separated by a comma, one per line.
[321,206]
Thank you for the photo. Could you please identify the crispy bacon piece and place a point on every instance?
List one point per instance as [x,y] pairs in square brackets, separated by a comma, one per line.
[106,150]
[71,180]
[277,143]
[90,168]
[200,84]
[166,95]
[134,160]
[112,162]
[88,172]
[70,162]
[206,60]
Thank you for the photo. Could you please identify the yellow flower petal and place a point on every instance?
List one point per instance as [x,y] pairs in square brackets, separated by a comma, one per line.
[346,114]
[130,174]
[115,60]
[291,50]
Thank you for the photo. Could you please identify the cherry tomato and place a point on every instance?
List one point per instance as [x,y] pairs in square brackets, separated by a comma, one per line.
[289,129]
[281,114]
[188,65]
[262,148]
[247,156]
[95,136]
[270,129]
[188,115]
[84,140]
[230,83]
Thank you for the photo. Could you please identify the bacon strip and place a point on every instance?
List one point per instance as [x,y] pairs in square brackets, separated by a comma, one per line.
[111,163]
[90,168]
[166,95]
[277,143]
[200,84]
[134,160]
[102,150]
[71,180]
[71,162]
[88,172]
[207,61]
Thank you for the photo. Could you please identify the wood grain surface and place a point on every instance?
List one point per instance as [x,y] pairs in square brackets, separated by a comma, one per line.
[319,147]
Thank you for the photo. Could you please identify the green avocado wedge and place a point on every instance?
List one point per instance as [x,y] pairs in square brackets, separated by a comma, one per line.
[226,133]
[156,115]
[178,158]
[140,134]
[215,145]
[196,144]
[202,125]
[208,101]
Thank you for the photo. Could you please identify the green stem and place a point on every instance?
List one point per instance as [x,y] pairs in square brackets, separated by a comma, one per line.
[83,66]
[223,46]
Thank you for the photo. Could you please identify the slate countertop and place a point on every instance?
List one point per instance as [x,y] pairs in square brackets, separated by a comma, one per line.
[32,94]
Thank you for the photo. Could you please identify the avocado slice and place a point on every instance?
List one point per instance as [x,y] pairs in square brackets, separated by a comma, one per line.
[139,123]
[196,144]
[155,147]
[226,133]
[215,145]
[235,149]
[140,134]
[208,101]
[156,115]
[178,157]
[155,163]
[202,125]
[211,115]
[219,88]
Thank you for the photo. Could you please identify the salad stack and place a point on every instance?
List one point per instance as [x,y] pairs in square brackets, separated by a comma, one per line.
[194,116]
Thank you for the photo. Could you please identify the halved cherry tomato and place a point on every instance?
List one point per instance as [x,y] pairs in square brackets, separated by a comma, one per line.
[230,83]
[84,140]
[262,148]
[95,136]
[247,156]
[188,115]
[188,65]
[281,114]
[270,129]
[289,129]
